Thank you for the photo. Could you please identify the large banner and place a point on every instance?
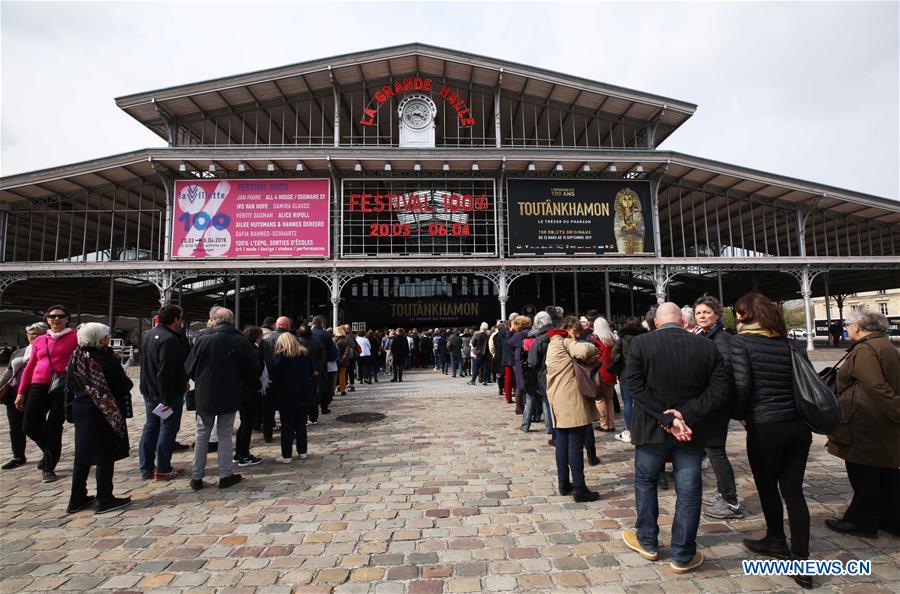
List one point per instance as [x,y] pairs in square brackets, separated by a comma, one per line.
[250,218]
[398,217]
[567,216]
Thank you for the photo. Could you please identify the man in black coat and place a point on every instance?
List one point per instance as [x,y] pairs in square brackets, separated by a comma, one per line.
[537,359]
[221,363]
[318,364]
[399,351]
[326,390]
[163,383]
[282,325]
[678,383]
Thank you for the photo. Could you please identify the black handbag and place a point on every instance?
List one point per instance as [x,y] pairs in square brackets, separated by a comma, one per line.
[829,374]
[59,388]
[816,403]
[617,365]
[190,400]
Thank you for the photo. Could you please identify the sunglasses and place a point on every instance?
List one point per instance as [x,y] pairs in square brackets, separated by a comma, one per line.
[57,316]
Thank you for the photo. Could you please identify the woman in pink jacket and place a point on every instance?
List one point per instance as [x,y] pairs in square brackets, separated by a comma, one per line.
[40,396]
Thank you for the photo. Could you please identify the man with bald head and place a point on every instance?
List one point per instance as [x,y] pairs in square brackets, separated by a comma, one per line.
[282,325]
[678,383]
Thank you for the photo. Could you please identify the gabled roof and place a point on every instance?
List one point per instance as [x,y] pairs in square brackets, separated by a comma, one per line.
[275,86]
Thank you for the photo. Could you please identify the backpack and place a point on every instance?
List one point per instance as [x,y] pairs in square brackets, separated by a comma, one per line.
[532,384]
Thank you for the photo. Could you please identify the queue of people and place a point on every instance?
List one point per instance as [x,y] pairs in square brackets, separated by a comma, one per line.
[681,375]
[683,378]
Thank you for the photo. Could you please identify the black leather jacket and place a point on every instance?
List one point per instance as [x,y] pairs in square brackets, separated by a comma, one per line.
[763,379]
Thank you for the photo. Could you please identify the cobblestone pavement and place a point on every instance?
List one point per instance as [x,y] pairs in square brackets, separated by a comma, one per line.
[446,494]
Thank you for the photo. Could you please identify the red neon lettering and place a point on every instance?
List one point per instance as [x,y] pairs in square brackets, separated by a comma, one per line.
[407,84]
[398,87]
[426,85]
[379,97]
[368,117]
[466,122]
[388,91]
[445,91]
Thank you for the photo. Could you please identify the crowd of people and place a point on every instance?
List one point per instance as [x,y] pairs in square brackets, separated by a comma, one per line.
[681,375]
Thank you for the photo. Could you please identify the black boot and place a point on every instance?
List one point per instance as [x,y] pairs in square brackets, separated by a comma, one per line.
[565,488]
[804,581]
[583,495]
[769,547]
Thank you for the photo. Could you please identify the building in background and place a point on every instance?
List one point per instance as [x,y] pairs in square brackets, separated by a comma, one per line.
[422,186]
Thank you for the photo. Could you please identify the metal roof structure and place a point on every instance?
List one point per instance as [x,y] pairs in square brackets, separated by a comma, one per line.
[226,97]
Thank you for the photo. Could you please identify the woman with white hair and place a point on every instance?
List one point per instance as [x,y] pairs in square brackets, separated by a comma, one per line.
[101,401]
[868,438]
[481,361]
[604,341]
[8,384]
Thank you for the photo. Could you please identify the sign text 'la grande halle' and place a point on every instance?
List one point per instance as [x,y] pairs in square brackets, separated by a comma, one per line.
[424,85]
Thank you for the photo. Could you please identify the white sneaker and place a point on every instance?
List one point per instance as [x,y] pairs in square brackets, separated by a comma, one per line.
[281,460]
[705,464]
[304,456]
[624,437]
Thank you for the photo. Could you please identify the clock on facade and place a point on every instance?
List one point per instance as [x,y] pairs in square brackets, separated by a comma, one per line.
[417,113]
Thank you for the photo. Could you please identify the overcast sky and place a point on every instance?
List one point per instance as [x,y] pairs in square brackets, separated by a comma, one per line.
[808,90]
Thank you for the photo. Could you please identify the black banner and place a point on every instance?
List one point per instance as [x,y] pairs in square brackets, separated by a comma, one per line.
[567,216]
[431,313]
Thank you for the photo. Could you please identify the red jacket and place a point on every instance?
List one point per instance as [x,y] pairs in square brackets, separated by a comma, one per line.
[605,355]
[38,370]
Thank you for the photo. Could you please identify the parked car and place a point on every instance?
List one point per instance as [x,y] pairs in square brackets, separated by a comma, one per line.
[797,333]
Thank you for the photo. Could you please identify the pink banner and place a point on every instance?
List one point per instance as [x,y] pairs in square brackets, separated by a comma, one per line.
[250,218]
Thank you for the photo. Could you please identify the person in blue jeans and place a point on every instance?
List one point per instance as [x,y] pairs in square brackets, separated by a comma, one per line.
[537,355]
[572,412]
[163,382]
[679,384]
[629,331]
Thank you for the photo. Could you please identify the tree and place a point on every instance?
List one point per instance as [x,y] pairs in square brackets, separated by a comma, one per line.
[839,299]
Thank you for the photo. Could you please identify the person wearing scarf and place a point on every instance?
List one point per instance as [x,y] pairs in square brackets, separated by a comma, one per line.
[778,440]
[101,401]
[572,412]
[40,396]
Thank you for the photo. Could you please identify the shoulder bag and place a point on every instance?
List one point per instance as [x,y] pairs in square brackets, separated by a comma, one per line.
[829,374]
[587,376]
[816,402]
[617,365]
[59,386]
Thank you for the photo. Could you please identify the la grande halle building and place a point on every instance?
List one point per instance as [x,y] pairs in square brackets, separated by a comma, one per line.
[421,186]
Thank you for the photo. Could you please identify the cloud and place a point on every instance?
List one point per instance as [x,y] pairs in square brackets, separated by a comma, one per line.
[805,89]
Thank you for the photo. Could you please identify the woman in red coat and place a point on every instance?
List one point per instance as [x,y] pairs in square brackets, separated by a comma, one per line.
[604,340]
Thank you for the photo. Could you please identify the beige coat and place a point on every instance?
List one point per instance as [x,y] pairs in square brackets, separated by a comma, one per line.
[569,407]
